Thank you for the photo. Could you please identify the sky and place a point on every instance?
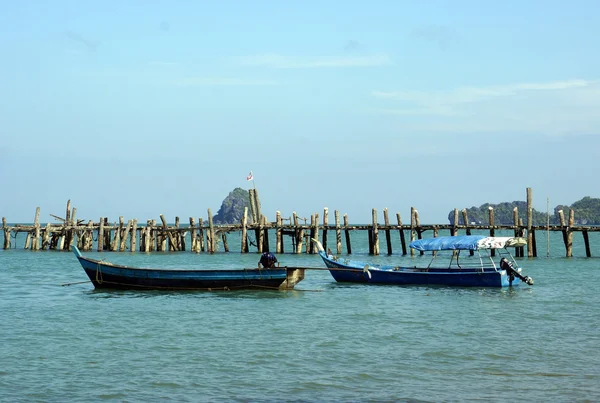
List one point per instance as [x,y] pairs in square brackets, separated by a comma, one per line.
[141,108]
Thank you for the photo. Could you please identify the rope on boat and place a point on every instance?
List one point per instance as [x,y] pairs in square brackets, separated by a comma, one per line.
[80,282]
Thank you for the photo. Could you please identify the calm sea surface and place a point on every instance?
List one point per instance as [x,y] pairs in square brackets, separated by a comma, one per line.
[321,342]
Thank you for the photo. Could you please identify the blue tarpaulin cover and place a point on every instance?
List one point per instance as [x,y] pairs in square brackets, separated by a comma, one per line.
[459,242]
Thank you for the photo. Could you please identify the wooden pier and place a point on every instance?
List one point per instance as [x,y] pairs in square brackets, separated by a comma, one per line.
[205,235]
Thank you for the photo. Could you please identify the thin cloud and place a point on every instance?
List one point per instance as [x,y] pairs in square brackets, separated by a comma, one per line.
[556,107]
[440,35]
[90,45]
[475,94]
[160,63]
[277,61]
[221,81]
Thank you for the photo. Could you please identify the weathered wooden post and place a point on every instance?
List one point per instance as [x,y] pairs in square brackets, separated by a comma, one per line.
[347,232]
[412,228]
[46,237]
[146,240]
[89,236]
[259,235]
[6,230]
[386,222]
[435,235]
[338,232]
[66,239]
[375,232]
[245,231]
[133,235]
[265,232]
[401,230]
[522,235]
[563,224]
[468,230]
[201,233]
[115,246]
[126,231]
[325,224]
[309,245]
[492,227]
[225,244]
[253,206]
[586,240]
[211,231]
[107,235]
[193,234]
[454,230]
[36,224]
[529,223]
[298,234]
[418,227]
[176,237]
[257,203]
[316,235]
[516,229]
[278,233]
[168,234]
[27,240]
[570,233]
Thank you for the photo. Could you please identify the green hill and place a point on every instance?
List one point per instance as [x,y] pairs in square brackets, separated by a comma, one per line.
[587,212]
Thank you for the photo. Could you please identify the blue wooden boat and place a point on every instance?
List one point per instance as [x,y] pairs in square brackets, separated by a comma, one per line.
[107,275]
[479,270]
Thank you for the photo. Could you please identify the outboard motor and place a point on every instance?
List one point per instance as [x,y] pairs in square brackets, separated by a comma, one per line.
[512,272]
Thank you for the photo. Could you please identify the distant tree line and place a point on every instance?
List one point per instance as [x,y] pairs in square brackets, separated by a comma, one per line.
[587,212]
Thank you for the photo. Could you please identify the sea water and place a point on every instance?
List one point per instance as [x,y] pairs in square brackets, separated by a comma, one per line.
[323,341]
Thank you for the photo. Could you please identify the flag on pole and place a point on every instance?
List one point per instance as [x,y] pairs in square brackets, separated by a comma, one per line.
[249,177]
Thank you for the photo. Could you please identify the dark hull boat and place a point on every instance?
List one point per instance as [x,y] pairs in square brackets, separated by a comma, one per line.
[471,271]
[107,275]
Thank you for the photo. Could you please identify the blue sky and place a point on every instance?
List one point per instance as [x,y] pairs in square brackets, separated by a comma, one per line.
[142,108]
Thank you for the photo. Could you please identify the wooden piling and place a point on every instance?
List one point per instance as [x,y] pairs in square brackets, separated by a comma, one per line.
[401,230]
[28,241]
[313,227]
[107,235]
[467,228]
[347,232]
[338,232]
[46,237]
[386,222]
[570,233]
[201,234]
[225,244]
[211,231]
[259,235]
[325,224]
[253,206]
[492,228]
[278,233]
[193,235]
[265,232]
[126,230]
[245,231]
[6,230]
[36,224]
[412,228]
[176,237]
[418,227]
[529,223]
[586,240]
[66,238]
[168,234]
[375,232]
[316,236]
